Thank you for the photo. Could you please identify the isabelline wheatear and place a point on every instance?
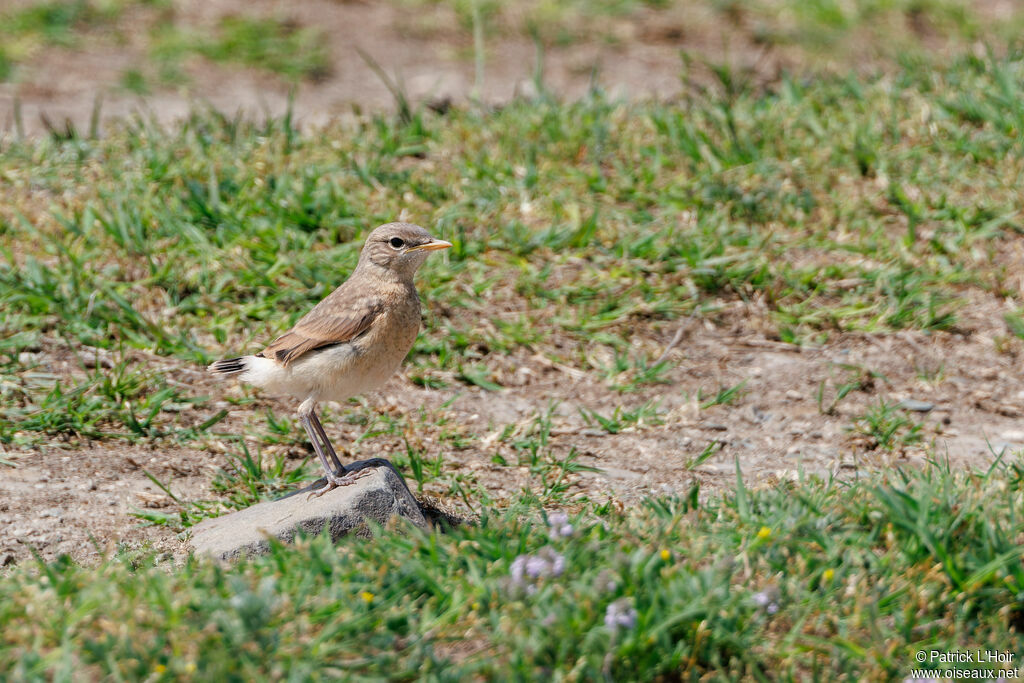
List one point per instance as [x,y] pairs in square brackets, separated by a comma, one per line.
[351,342]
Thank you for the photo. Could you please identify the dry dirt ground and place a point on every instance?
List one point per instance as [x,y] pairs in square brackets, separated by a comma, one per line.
[80,501]
[419,44]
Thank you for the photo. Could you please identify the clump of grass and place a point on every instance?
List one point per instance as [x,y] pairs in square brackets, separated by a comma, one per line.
[726,395]
[6,65]
[621,418]
[1015,323]
[278,46]
[709,450]
[855,378]
[886,426]
[134,80]
[627,373]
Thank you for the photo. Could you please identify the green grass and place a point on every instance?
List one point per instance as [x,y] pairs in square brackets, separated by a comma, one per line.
[276,45]
[590,225]
[724,396]
[887,427]
[621,418]
[854,378]
[808,579]
[133,80]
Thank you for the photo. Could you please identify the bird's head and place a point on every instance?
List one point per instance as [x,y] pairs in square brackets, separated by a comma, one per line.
[400,248]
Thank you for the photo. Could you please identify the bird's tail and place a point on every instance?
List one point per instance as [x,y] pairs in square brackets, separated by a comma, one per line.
[229,366]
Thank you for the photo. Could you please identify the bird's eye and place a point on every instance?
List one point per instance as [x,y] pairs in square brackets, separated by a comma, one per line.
[397,242]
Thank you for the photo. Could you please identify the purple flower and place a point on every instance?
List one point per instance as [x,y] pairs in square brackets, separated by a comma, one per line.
[560,526]
[536,566]
[558,518]
[619,615]
[766,601]
[517,568]
[525,569]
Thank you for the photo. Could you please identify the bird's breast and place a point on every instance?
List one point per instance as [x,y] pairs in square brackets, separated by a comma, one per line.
[368,361]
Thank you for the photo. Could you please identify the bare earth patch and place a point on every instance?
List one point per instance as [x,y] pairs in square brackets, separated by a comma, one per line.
[425,50]
[424,47]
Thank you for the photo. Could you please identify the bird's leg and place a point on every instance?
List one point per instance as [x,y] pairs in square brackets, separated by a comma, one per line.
[339,469]
[333,478]
[307,425]
[307,416]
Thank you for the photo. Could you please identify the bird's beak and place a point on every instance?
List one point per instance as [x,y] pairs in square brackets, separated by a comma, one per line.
[433,245]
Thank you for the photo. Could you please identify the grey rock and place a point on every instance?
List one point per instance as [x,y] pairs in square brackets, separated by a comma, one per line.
[915,405]
[379,496]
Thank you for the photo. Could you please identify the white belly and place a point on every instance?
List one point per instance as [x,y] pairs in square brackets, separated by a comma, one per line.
[334,373]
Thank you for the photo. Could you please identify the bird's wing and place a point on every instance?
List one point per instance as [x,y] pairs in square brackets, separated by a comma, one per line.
[338,318]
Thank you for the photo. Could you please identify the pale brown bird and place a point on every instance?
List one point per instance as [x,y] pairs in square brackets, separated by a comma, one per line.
[350,342]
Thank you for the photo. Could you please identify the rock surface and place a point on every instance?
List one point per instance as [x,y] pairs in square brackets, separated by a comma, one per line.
[379,495]
[915,405]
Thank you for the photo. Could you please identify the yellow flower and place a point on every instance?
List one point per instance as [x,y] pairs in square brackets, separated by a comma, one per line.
[367,596]
[475,606]
[160,668]
[764,533]
[666,555]
[828,574]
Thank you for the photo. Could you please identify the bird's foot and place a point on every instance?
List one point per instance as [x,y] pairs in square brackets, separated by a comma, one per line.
[334,481]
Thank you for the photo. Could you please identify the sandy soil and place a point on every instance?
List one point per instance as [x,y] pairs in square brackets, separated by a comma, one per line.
[424,49]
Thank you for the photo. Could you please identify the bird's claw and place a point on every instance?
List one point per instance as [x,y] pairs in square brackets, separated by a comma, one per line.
[334,481]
